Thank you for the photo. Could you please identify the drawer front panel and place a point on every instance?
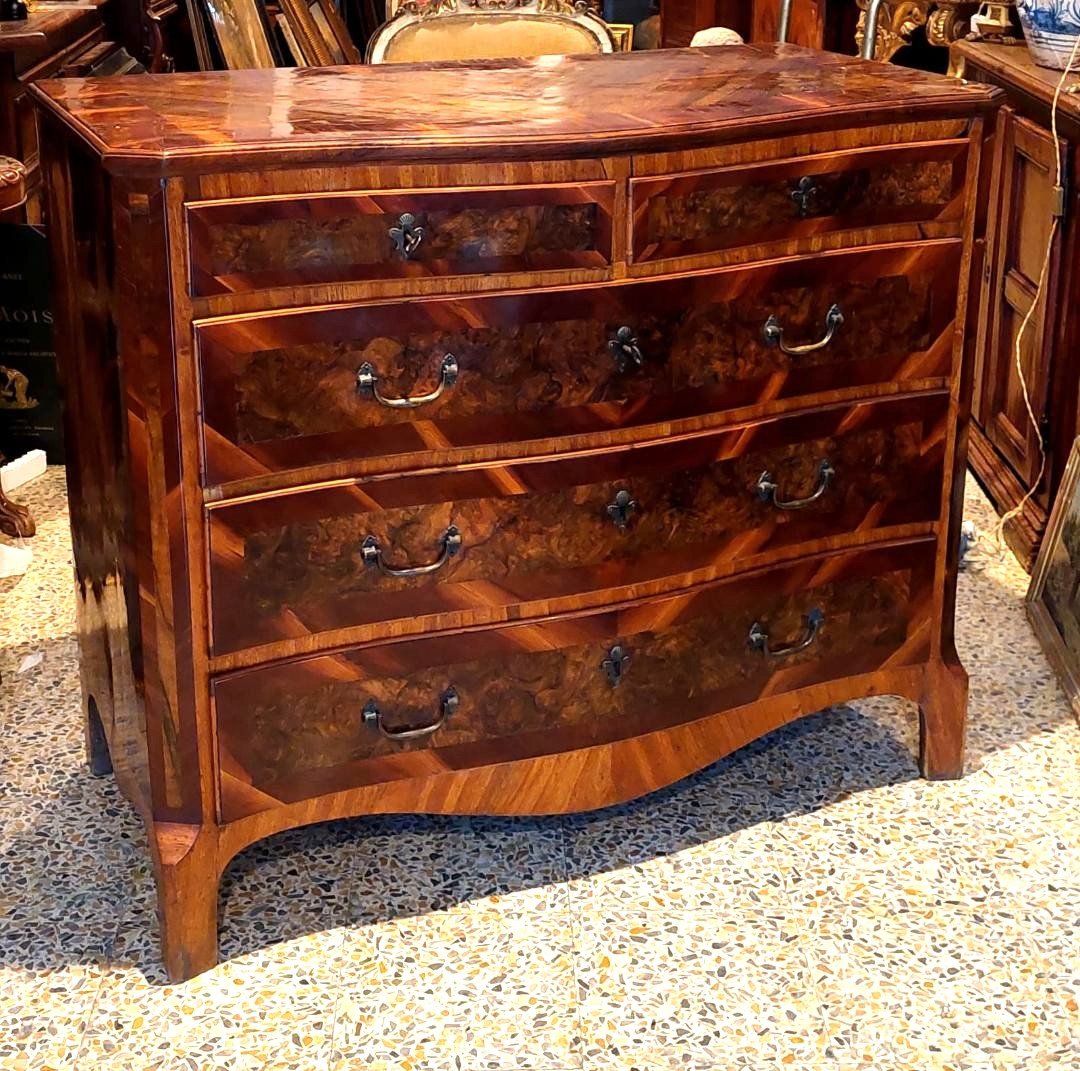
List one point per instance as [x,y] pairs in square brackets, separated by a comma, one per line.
[262,242]
[702,211]
[486,540]
[302,729]
[317,387]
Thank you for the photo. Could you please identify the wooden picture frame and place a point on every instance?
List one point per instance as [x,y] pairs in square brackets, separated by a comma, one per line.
[622,33]
[320,32]
[241,32]
[196,14]
[1053,598]
[292,46]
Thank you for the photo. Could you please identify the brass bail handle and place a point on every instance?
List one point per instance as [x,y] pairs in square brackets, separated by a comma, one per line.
[448,704]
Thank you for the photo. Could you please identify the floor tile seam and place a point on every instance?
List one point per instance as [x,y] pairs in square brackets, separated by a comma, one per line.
[576,961]
[338,993]
[90,1016]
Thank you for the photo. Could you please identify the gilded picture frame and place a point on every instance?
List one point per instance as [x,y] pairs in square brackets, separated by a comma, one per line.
[292,46]
[1053,598]
[241,33]
[320,32]
[623,35]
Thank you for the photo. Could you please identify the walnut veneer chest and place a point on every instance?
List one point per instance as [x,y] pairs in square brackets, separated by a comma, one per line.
[514,438]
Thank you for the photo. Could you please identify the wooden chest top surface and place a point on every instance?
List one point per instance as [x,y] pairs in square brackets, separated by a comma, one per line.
[551,106]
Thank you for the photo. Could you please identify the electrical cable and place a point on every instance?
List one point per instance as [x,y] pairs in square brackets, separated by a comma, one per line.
[1040,287]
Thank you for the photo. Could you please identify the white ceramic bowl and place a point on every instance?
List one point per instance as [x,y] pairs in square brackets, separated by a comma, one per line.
[1051,28]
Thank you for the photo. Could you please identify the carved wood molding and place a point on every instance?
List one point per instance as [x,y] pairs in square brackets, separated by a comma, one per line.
[15,519]
[945,21]
[12,183]
[427,8]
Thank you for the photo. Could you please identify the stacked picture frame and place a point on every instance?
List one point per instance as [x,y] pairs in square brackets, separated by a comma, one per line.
[240,34]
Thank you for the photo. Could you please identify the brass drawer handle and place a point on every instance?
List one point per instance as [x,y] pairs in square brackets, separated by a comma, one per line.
[805,194]
[371,553]
[448,703]
[773,334]
[759,638]
[615,665]
[367,383]
[406,236]
[620,510]
[625,349]
[767,488]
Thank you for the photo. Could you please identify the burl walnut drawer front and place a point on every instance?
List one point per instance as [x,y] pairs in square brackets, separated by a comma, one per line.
[302,729]
[258,243]
[432,380]
[703,211]
[469,545]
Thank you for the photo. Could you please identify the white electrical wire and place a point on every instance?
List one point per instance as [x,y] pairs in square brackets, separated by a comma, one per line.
[1055,223]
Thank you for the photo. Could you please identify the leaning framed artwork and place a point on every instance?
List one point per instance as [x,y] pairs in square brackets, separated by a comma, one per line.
[321,33]
[1053,599]
[241,32]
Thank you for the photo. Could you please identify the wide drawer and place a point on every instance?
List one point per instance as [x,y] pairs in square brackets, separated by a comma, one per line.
[437,381]
[783,200]
[363,715]
[448,549]
[261,242]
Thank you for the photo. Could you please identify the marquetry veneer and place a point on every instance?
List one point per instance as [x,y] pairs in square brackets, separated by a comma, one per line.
[682,461]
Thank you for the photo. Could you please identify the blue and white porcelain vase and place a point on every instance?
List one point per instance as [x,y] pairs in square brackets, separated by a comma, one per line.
[1051,28]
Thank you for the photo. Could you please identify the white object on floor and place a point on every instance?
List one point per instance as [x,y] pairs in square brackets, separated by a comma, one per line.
[31,661]
[21,470]
[14,561]
[715,35]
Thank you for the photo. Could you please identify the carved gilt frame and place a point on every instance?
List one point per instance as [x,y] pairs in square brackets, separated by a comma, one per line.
[241,32]
[320,33]
[1064,662]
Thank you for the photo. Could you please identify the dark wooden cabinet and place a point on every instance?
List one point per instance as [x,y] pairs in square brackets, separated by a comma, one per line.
[48,43]
[1033,227]
[517,462]
[815,23]
[94,37]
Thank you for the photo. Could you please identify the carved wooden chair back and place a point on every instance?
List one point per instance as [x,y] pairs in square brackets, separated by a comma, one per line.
[488,29]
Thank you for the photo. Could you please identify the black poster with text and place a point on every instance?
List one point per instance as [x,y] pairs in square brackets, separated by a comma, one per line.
[29,393]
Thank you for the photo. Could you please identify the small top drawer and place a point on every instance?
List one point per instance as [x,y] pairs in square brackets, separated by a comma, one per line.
[446,380]
[723,208]
[262,242]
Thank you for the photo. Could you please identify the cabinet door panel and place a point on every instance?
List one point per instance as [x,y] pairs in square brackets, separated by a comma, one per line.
[1025,227]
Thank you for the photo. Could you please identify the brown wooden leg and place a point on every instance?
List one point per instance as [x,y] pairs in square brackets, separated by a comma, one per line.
[187,882]
[942,718]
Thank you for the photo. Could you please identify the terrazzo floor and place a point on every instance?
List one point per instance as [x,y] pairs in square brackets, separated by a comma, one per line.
[807,903]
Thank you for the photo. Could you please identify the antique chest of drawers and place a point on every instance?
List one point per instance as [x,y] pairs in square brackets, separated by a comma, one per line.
[518,459]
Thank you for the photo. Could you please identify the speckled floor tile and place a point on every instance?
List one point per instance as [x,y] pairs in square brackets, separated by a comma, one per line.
[748,866]
[696,989]
[43,1014]
[807,904]
[309,873]
[275,1004]
[897,987]
[412,865]
[479,988]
